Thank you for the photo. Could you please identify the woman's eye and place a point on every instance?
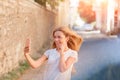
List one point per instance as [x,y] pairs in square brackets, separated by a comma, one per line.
[59,37]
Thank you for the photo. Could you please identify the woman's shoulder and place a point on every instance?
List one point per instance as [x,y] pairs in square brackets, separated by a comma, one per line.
[50,50]
[74,54]
[73,51]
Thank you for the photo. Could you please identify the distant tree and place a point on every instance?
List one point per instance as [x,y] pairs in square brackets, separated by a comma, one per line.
[85,11]
[52,3]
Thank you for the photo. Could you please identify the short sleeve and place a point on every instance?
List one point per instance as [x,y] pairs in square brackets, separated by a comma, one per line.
[74,54]
[47,53]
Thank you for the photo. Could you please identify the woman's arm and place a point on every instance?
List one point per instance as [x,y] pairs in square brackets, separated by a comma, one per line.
[32,62]
[35,63]
[64,65]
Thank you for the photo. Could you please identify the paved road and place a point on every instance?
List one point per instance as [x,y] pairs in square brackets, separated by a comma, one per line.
[96,54]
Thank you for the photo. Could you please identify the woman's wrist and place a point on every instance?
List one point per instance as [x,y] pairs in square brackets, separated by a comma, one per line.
[27,54]
[62,54]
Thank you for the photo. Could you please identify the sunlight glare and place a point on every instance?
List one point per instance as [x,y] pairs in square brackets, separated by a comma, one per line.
[101,1]
[74,3]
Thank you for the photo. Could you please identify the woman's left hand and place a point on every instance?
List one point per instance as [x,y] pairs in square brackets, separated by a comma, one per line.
[61,49]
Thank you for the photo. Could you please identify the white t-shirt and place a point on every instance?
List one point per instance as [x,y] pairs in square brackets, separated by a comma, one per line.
[52,71]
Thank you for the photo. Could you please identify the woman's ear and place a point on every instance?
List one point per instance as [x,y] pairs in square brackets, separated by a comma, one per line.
[67,38]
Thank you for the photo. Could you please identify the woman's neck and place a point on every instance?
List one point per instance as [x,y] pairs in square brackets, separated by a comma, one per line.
[65,49]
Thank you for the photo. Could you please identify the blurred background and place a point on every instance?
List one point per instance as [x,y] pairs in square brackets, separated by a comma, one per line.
[97,21]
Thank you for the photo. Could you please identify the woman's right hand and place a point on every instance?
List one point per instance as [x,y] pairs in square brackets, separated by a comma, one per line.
[27,47]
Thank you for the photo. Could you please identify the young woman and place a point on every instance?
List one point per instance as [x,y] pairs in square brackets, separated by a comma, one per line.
[62,56]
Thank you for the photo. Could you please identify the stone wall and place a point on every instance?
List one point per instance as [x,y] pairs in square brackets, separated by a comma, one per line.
[19,20]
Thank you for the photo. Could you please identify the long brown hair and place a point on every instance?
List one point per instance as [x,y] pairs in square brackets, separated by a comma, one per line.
[74,41]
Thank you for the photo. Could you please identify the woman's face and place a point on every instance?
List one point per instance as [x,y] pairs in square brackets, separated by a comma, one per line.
[60,38]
